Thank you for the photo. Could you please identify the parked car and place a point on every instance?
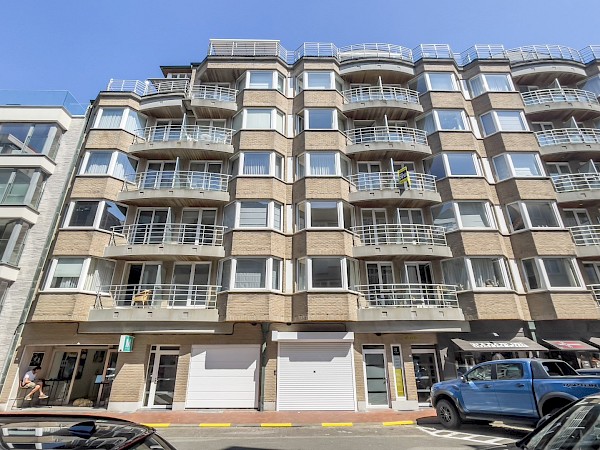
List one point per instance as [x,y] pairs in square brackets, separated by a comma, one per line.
[575,427]
[76,431]
[523,390]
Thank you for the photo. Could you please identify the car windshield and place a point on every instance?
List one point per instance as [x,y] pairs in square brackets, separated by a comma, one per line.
[577,428]
[558,369]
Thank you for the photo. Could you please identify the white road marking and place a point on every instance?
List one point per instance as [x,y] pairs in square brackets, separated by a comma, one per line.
[479,438]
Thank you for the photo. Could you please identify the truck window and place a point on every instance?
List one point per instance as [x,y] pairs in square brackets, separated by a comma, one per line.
[509,371]
[558,369]
[483,373]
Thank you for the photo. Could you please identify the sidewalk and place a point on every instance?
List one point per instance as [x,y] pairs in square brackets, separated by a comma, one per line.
[233,418]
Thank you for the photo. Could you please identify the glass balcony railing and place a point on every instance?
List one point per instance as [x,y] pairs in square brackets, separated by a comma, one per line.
[62,99]
[399,234]
[195,133]
[542,96]
[409,295]
[151,86]
[586,234]
[380,181]
[204,181]
[378,93]
[216,93]
[574,182]
[167,233]
[562,136]
[386,134]
[153,295]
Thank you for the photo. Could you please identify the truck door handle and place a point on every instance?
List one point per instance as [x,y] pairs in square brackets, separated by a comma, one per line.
[487,386]
[520,384]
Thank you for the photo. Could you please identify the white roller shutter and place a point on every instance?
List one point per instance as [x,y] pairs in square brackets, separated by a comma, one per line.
[315,376]
[223,376]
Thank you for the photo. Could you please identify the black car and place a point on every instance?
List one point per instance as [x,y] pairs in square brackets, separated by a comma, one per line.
[58,431]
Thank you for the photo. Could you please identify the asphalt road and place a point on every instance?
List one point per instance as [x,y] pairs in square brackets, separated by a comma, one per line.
[424,437]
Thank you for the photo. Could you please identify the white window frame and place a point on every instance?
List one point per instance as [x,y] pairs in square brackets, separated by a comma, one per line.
[269,264]
[272,125]
[497,127]
[344,261]
[303,78]
[428,86]
[544,280]
[436,121]
[489,212]
[111,165]
[275,77]
[471,285]
[511,167]
[338,165]
[124,117]
[522,206]
[308,215]
[85,268]
[485,85]
[272,165]
[97,218]
[303,119]
[446,164]
[270,215]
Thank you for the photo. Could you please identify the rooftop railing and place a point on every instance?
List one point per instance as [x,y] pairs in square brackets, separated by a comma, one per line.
[377,93]
[374,50]
[562,136]
[379,181]
[559,95]
[153,295]
[393,234]
[386,134]
[167,233]
[210,92]
[165,133]
[574,182]
[169,179]
[409,295]
[482,51]
[586,234]
[151,86]
[63,99]
[542,52]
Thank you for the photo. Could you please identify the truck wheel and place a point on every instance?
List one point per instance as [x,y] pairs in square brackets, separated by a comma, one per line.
[448,415]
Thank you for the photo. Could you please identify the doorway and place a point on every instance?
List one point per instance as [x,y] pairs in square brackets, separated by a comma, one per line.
[426,372]
[160,378]
[380,279]
[198,226]
[150,226]
[191,285]
[160,175]
[376,377]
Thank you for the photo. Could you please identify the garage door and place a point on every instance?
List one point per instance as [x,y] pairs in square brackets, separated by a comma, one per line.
[315,376]
[223,376]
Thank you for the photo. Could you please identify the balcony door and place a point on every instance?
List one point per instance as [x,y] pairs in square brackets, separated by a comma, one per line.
[142,284]
[200,177]
[579,217]
[167,130]
[191,285]
[412,234]
[198,226]
[160,175]
[369,176]
[380,280]
[373,221]
[410,166]
[150,226]
[419,277]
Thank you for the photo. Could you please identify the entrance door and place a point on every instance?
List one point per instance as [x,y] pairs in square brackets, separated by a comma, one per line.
[376,379]
[374,231]
[380,279]
[191,285]
[426,372]
[198,226]
[150,226]
[108,376]
[159,175]
[160,378]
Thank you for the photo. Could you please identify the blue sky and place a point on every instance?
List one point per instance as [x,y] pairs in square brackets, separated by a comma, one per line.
[79,45]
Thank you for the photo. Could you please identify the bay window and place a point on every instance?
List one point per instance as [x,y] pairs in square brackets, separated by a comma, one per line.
[323,214]
[262,79]
[98,214]
[443,120]
[260,119]
[109,163]
[464,214]
[120,118]
[322,164]
[21,186]
[501,120]
[532,215]
[434,81]
[267,164]
[12,240]
[251,274]
[551,273]
[478,273]
[490,82]
[321,80]
[453,164]
[79,273]
[517,165]
[319,119]
[254,214]
[326,273]
[29,139]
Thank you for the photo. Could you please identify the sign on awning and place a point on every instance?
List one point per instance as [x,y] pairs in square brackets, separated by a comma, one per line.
[511,345]
[571,345]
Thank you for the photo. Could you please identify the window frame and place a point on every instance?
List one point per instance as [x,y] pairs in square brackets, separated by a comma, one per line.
[544,281]
[276,77]
[436,122]
[83,274]
[273,158]
[470,273]
[51,142]
[306,171]
[524,211]
[275,112]
[308,215]
[270,215]
[100,209]
[124,118]
[349,268]
[302,83]
[303,119]
[111,165]
[485,85]
[414,83]
[488,209]
[497,128]
[269,262]
[447,167]
[511,167]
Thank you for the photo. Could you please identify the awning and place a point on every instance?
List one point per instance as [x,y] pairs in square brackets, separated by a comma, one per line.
[595,341]
[571,345]
[512,345]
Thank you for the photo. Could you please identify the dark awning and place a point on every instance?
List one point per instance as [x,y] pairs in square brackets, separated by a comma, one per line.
[571,344]
[511,345]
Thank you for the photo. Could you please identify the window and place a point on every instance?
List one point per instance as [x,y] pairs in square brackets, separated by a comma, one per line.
[254,214]
[326,273]
[21,186]
[12,240]
[434,81]
[320,119]
[262,80]
[29,139]
[551,273]
[323,214]
[99,214]
[517,165]
[481,373]
[477,273]
[453,164]
[458,215]
[509,371]
[591,84]
[120,118]
[322,164]
[443,120]
[259,119]
[319,80]
[495,121]
[267,164]
[490,82]
[251,274]
[109,162]
[87,274]
[533,214]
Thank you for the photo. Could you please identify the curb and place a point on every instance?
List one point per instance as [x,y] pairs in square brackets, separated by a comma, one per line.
[281,425]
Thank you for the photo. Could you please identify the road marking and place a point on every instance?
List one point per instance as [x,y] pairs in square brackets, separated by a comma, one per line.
[399,422]
[471,437]
[338,424]
[268,425]
[157,425]
[214,425]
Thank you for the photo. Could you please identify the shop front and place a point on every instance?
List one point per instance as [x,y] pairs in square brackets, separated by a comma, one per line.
[576,342]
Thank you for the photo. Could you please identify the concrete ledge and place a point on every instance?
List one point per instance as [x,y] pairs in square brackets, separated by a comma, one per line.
[412,198]
[164,251]
[175,196]
[154,315]
[401,250]
[410,313]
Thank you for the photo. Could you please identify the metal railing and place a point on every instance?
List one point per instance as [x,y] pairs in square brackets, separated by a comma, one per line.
[157,296]
[479,51]
[374,50]
[167,233]
[542,52]
[573,182]
[379,181]
[409,295]
[595,288]
[386,134]
[590,53]
[586,234]
[558,95]
[375,93]
[568,136]
[167,133]
[169,179]
[435,51]
[392,233]
[151,86]
[209,92]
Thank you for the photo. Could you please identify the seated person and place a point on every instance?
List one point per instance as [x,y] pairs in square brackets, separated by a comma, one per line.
[29,382]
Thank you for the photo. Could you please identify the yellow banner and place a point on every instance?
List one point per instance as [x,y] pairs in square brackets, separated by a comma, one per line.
[399,383]
[404,176]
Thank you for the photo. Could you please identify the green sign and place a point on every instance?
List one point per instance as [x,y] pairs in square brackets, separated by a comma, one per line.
[126,343]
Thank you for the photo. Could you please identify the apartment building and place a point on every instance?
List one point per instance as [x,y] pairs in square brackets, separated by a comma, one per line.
[324,229]
[39,136]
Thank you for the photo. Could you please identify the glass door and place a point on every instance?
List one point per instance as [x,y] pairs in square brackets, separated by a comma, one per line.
[426,372]
[143,281]
[376,378]
[108,376]
[160,378]
[200,175]
[150,226]
[374,229]
[412,234]
[419,278]
[191,285]
[198,226]
[160,175]
[380,279]
[370,177]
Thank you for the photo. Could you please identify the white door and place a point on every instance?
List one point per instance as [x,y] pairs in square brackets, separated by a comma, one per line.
[223,376]
[198,226]
[190,285]
[380,278]
[159,175]
[376,379]
[374,229]
[315,376]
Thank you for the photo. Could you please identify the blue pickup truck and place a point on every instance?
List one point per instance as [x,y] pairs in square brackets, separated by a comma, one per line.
[522,390]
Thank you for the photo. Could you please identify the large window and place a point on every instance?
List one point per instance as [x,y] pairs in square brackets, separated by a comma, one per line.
[501,120]
[109,162]
[317,81]
[21,186]
[79,273]
[267,164]
[453,164]
[29,139]
[120,118]
[12,240]
[477,273]
[251,274]
[323,214]
[551,273]
[458,215]
[443,120]
[490,82]
[322,273]
[532,215]
[518,165]
[99,214]
[260,119]
[434,81]
[322,164]
[262,79]
[254,214]
[319,119]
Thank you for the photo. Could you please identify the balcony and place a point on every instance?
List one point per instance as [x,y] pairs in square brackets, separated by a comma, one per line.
[587,240]
[595,288]
[580,143]
[213,101]
[542,64]
[407,241]
[166,241]
[189,142]
[408,302]
[180,188]
[561,104]
[372,143]
[155,302]
[373,102]
[385,188]
[160,97]
[577,188]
